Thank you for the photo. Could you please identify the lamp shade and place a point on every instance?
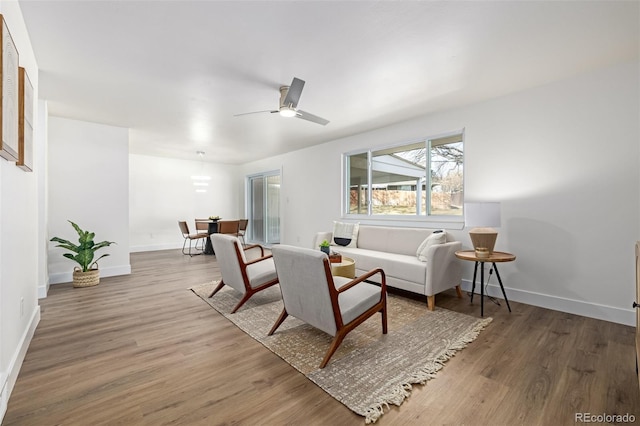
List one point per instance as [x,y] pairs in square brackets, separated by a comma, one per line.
[482,217]
[485,214]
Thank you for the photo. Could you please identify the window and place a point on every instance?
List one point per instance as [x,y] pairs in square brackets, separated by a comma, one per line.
[420,179]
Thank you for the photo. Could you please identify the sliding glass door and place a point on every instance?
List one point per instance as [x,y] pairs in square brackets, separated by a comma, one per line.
[263,201]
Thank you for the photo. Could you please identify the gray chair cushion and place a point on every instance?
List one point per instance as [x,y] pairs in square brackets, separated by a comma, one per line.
[261,272]
[357,299]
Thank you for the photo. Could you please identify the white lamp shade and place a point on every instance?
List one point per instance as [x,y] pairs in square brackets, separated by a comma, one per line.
[484,214]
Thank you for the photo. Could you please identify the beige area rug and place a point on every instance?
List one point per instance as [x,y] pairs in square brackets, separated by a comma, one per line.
[369,370]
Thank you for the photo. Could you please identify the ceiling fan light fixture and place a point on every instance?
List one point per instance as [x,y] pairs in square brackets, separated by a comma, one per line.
[287,112]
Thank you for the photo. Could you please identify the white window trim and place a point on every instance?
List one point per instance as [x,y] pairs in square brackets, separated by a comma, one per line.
[412,221]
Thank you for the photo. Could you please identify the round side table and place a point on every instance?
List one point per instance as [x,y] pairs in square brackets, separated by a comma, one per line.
[495,257]
[346,268]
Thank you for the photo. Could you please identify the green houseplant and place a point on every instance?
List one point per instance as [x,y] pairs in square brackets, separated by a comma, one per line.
[83,253]
[324,246]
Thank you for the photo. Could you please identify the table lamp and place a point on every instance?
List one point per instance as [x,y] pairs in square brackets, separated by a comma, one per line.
[482,217]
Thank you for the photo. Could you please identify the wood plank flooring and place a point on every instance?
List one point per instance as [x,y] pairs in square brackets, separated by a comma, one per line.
[143,350]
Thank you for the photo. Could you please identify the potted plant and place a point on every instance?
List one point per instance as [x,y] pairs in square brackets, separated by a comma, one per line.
[324,246]
[83,253]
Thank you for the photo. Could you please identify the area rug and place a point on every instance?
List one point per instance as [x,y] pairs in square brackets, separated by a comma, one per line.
[369,370]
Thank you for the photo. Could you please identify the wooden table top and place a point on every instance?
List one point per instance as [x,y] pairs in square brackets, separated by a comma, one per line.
[496,256]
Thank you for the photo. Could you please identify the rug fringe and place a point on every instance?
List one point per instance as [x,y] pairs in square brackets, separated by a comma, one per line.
[426,373]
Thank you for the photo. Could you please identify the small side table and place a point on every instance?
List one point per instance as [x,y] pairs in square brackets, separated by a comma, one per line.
[496,256]
[346,268]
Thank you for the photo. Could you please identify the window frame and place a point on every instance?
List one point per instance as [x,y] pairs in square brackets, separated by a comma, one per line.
[407,220]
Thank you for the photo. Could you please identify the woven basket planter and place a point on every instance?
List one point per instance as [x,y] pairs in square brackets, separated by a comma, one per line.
[85,279]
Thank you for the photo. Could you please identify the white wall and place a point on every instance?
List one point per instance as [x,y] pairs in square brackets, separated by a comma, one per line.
[20,265]
[162,193]
[88,184]
[563,159]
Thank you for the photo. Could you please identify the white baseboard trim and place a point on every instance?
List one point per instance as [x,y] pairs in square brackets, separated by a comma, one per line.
[4,397]
[8,379]
[577,307]
[43,291]
[67,277]
[155,247]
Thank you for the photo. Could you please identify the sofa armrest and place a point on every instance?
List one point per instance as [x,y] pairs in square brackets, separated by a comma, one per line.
[321,236]
[444,269]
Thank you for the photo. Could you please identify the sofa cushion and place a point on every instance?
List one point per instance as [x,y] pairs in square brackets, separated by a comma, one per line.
[401,266]
[438,237]
[345,234]
[392,240]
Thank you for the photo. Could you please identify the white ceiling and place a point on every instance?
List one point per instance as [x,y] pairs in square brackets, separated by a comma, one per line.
[176,72]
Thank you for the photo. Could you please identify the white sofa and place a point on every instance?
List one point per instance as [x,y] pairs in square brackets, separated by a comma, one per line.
[395,251]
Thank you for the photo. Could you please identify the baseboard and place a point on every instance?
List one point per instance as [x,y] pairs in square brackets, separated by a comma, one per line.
[4,397]
[8,379]
[155,247]
[67,277]
[42,291]
[571,306]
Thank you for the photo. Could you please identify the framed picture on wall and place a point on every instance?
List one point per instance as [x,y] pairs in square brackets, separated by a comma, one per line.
[25,121]
[9,90]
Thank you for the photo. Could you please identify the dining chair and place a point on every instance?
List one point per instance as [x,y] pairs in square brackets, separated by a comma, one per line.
[229,227]
[202,226]
[188,236]
[242,229]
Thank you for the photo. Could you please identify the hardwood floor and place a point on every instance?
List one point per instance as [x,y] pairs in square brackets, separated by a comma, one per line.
[143,350]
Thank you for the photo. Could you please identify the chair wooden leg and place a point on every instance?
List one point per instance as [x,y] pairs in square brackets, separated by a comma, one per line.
[246,297]
[217,289]
[459,292]
[283,315]
[334,346]
[384,316]
[384,321]
[431,302]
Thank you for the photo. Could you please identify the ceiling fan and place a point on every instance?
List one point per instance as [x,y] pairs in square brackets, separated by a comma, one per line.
[289,97]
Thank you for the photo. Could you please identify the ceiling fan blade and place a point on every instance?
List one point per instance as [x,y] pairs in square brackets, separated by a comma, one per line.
[293,95]
[310,117]
[254,112]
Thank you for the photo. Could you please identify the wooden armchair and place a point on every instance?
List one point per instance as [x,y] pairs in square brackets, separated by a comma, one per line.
[335,305]
[245,276]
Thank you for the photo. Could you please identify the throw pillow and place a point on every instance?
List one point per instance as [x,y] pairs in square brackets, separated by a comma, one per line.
[438,237]
[345,234]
